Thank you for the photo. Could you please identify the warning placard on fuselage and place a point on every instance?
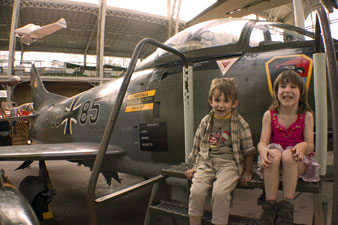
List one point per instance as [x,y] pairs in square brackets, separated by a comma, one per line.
[153,137]
[140,101]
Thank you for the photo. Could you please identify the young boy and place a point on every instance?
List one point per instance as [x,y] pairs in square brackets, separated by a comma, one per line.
[222,153]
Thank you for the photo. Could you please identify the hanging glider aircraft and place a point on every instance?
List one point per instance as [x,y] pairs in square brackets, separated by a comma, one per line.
[149,131]
[31,32]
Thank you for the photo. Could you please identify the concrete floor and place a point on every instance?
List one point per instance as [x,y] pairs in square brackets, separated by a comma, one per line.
[70,203]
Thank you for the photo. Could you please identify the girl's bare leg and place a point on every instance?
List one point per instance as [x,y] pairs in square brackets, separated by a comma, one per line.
[271,175]
[290,174]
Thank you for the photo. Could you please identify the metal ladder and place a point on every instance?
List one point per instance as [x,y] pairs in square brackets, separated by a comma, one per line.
[111,124]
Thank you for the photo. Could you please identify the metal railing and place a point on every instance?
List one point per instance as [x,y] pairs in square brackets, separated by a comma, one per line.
[23,124]
[113,118]
[60,72]
[333,84]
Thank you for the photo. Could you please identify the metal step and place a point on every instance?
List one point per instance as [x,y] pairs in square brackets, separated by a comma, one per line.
[256,182]
[181,212]
[17,137]
[19,141]
[20,137]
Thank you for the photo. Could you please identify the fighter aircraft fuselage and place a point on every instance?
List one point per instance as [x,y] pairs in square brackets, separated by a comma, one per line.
[150,123]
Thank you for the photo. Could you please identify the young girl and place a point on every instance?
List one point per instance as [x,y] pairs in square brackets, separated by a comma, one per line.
[222,154]
[286,147]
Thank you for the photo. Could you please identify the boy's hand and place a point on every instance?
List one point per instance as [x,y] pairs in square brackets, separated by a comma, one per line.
[190,173]
[246,177]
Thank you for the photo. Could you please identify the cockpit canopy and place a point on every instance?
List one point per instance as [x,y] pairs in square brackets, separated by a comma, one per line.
[205,35]
[228,31]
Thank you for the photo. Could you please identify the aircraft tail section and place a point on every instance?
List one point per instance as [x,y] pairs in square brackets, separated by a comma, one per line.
[40,96]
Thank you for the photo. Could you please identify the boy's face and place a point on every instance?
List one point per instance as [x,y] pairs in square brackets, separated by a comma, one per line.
[222,106]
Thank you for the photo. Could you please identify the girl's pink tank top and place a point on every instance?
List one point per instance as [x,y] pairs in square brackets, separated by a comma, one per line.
[287,137]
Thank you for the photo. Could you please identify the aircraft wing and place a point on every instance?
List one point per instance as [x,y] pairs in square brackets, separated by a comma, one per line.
[57,151]
[49,29]
[27,29]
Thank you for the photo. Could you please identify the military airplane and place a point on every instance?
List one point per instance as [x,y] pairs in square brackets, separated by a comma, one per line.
[31,32]
[149,131]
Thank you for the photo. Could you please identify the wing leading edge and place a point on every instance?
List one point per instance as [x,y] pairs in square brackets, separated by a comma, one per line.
[57,151]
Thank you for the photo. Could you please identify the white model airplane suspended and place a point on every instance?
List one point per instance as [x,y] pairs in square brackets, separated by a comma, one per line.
[31,32]
[10,80]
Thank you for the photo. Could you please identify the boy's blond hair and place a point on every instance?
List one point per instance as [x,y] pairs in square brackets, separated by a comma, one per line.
[227,86]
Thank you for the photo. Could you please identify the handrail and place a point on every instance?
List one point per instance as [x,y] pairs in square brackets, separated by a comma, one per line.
[19,123]
[333,83]
[22,124]
[113,117]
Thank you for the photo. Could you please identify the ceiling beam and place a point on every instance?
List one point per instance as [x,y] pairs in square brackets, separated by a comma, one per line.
[235,8]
